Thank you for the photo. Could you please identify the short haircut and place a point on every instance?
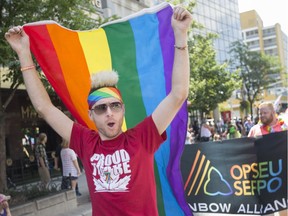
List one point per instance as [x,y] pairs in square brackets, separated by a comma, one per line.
[41,137]
[267,104]
[64,144]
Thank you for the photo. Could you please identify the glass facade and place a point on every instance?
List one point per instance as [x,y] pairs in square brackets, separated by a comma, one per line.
[220,17]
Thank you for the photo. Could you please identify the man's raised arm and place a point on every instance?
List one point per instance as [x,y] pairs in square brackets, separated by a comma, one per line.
[168,108]
[19,41]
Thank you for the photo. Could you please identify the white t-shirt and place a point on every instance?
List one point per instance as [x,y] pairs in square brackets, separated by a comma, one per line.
[67,157]
[205,132]
[188,138]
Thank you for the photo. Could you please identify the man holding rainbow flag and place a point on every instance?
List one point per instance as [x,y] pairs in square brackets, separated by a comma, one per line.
[118,164]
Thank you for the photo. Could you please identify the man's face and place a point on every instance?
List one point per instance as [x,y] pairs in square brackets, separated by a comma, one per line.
[108,114]
[266,115]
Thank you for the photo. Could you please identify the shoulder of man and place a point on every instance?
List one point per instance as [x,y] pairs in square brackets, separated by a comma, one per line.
[255,129]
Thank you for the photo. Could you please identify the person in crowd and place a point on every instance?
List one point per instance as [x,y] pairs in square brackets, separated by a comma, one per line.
[196,129]
[212,127]
[57,159]
[224,129]
[189,136]
[219,126]
[269,122]
[256,120]
[205,132]
[232,130]
[4,205]
[42,160]
[240,128]
[66,181]
[119,166]
[248,124]
[217,137]
[70,166]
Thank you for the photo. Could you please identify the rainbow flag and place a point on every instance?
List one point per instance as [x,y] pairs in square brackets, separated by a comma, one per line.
[141,49]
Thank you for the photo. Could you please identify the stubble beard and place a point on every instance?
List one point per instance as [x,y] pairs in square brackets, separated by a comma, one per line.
[267,121]
[110,134]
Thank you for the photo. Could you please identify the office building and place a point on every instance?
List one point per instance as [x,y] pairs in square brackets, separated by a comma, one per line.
[109,8]
[270,40]
[220,17]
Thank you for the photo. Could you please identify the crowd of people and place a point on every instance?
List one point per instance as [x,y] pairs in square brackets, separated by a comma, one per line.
[65,160]
[267,121]
[220,130]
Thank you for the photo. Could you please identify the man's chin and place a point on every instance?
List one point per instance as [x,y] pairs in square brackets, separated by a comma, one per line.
[266,122]
[113,135]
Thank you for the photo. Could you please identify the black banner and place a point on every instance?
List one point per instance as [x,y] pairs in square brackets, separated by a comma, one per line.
[240,176]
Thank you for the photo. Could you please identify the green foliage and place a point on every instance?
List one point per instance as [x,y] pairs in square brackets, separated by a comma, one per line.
[73,14]
[256,70]
[210,82]
[244,105]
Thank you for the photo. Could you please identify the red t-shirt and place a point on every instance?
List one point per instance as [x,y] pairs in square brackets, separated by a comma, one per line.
[120,172]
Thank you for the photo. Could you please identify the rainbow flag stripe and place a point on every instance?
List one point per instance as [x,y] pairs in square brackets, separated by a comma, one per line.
[140,48]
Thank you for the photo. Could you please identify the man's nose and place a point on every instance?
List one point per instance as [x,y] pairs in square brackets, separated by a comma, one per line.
[109,111]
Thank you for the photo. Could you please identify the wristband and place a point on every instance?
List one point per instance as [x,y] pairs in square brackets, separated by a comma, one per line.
[181,48]
[27,68]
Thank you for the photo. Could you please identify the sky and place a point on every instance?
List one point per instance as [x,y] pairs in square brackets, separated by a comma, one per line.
[270,11]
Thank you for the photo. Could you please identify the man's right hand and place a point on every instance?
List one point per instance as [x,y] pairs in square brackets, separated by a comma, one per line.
[18,39]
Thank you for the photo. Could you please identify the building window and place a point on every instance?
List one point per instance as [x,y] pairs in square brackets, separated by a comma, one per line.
[268,32]
[270,42]
[252,34]
[253,44]
[271,52]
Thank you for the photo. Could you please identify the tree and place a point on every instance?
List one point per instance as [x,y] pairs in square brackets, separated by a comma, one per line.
[73,14]
[210,82]
[256,71]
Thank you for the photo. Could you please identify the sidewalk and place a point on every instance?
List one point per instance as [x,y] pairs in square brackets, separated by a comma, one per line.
[84,205]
